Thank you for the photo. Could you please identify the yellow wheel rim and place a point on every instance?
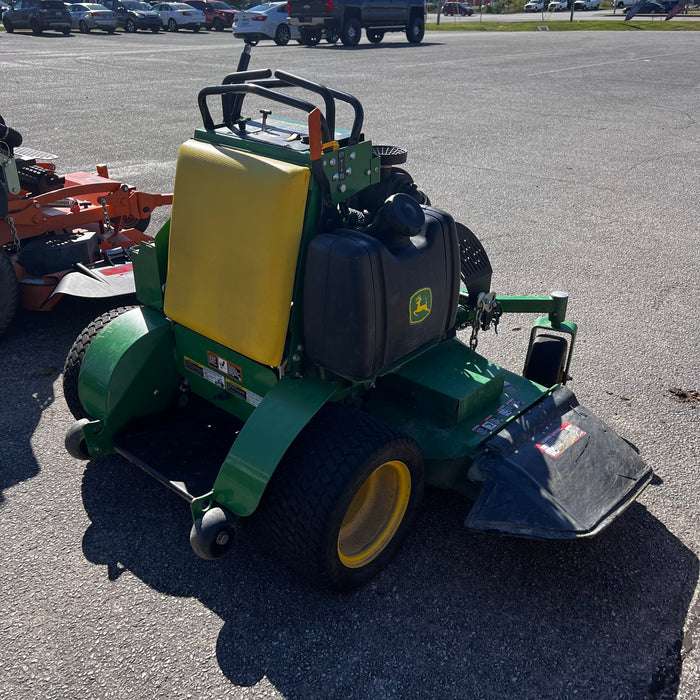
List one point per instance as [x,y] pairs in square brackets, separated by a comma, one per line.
[374,515]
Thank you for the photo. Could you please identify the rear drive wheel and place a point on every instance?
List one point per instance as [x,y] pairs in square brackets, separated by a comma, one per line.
[282,35]
[218,24]
[547,360]
[83,26]
[374,36]
[351,32]
[9,291]
[66,31]
[130,26]
[36,29]
[342,500]
[332,37]
[172,25]
[415,30]
[9,28]
[71,368]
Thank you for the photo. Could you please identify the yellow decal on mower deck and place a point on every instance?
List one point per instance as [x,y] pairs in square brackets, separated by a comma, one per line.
[420,305]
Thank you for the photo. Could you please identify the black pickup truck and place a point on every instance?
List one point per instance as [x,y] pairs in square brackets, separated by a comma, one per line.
[345,19]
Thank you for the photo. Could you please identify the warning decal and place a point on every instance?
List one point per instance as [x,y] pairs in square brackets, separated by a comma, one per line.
[560,440]
[510,408]
[488,425]
[509,388]
[224,366]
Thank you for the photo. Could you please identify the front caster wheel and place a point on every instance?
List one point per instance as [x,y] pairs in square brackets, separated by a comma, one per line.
[75,440]
[213,535]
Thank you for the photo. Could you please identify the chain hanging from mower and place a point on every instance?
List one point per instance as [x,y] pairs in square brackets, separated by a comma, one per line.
[488,312]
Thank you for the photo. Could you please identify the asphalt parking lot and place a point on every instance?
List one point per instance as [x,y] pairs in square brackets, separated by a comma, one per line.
[574,157]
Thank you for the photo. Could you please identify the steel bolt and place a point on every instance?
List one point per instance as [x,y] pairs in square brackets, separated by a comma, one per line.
[353,155]
[342,188]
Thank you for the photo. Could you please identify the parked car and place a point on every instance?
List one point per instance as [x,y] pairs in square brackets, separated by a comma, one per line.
[179,15]
[37,15]
[133,15]
[345,19]
[582,5]
[534,6]
[87,16]
[457,8]
[650,8]
[217,14]
[267,21]
[557,5]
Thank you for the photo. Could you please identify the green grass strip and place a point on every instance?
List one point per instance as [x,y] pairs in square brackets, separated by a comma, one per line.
[585,25]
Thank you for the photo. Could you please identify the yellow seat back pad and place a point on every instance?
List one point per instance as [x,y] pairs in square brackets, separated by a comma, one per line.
[235,230]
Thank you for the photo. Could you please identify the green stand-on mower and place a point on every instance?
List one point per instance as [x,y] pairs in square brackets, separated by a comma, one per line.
[294,366]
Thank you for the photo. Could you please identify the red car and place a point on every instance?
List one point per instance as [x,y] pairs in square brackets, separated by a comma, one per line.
[217,14]
[457,8]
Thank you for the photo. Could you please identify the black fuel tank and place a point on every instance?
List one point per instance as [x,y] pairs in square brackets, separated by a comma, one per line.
[367,303]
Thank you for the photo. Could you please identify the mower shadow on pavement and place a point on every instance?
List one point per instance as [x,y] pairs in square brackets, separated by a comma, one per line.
[456,615]
[28,385]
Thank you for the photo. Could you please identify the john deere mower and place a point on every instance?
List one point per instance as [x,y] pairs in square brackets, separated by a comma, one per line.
[298,372]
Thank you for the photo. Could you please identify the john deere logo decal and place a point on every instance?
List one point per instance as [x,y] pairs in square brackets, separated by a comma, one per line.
[420,305]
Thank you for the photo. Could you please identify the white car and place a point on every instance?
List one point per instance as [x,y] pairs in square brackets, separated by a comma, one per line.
[179,15]
[87,16]
[557,5]
[587,5]
[267,21]
[534,6]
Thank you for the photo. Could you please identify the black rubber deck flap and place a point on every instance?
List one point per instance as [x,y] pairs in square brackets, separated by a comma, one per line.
[557,472]
[183,450]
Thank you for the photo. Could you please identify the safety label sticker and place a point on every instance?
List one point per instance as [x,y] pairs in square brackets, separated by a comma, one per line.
[224,366]
[510,408]
[242,393]
[509,388]
[488,425]
[560,440]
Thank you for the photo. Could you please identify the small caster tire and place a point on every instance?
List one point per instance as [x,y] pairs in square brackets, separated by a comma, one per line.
[213,535]
[75,442]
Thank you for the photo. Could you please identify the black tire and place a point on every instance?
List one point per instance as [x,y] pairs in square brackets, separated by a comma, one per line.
[155,30]
[415,30]
[130,26]
[9,28]
[351,32]
[36,29]
[339,505]
[282,35]
[9,292]
[75,440]
[109,31]
[66,31]
[547,360]
[374,36]
[196,29]
[172,25]
[218,24]
[83,27]
[332,37]
[213,535]
[74,360]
